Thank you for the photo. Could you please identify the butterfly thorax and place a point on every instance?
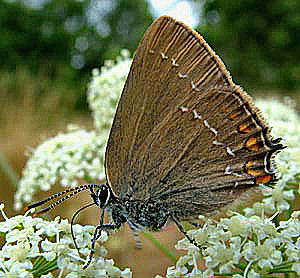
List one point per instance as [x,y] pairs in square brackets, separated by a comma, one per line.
[139,214]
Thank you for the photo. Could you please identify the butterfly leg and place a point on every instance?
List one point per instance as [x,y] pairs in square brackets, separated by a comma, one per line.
[138,243]
[181,229]
[97,234]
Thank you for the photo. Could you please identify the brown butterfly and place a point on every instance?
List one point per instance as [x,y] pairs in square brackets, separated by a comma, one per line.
[185,139]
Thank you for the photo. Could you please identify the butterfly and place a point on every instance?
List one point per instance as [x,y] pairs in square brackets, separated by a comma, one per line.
[185,139]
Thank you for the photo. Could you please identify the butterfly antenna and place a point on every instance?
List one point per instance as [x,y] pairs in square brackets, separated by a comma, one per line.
[72,223]
[72,192]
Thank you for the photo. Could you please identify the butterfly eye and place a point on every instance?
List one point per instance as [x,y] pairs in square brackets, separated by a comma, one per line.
[103,195]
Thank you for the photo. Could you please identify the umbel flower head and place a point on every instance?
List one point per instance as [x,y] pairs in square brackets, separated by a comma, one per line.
[35,247]
[77,153]
[251,243]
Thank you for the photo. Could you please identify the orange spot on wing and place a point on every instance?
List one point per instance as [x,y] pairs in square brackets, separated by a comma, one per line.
[233,115]
[251,144]
[249,164]
[244,128]
[255,173]
[263,179]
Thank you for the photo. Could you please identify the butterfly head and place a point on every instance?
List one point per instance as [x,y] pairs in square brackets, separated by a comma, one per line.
[102,195]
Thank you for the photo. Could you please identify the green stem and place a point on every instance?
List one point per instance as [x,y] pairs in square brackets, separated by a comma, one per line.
[282,271]
[290,211]
[276,221]
[227,274]
[46,268]
[8,170]
[38,262]
[282,266]
[160,247]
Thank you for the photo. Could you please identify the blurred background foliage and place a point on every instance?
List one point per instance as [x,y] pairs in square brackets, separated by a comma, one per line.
[49,47]
[258,39]
[65,40]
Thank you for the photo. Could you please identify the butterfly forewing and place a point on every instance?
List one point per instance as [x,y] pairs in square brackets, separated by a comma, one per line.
[183,131]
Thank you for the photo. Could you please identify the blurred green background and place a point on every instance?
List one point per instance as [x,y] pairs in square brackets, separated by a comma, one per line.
[49,47]
[64,40]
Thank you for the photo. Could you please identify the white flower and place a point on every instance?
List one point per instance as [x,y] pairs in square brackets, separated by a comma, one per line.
[20,273]
[181,264]
[260,208]
[105,89]
[18,256]
[49,275]
[224,256]
[238,225]
[196,273]
[296,268]
[28,239]
[68,156]
[262,227]
[253,274]
[293,251]
[265,254]
[172,272]
[290,229]
[100,268]
[278,196]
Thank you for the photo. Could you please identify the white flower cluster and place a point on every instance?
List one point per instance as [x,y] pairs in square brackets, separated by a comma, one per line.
[77,154]
[241,246]
[105,89]
[68,156]
[34,247]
